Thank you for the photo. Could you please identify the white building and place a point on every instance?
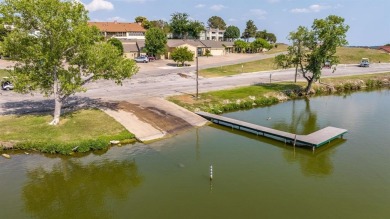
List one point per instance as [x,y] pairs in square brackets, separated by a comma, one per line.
[212,34]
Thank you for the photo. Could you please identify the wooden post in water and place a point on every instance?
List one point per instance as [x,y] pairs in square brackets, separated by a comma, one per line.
[295,140]
[211,172]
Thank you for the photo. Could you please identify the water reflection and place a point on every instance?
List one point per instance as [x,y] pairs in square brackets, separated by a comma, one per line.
[301,122]
[74,190]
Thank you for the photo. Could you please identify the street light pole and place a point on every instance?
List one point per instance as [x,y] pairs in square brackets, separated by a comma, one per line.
[197,77]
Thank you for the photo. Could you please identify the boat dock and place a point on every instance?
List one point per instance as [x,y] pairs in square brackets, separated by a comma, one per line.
[314,140]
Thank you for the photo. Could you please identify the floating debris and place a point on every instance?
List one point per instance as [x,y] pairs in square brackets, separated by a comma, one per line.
[114,142]
[6,156]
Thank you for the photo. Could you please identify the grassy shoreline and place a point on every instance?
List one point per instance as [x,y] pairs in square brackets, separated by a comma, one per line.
[267,94]
[77,132]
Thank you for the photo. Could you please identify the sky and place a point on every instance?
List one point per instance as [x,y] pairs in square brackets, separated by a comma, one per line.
[369,21]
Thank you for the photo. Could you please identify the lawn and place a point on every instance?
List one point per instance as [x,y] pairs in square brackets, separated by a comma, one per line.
[74,128]
[350,55]
[3,73]
[347,55]
[259,92]
[228,70]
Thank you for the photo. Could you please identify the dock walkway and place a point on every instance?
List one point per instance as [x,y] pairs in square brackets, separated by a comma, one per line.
[314,140]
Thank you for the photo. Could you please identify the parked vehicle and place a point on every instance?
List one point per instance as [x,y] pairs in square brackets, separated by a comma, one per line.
[364,63]
[6,84]
[327,64]
[143,59]
[151,58]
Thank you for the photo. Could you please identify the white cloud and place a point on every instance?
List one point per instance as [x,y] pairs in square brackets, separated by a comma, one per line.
[310,9]
[232,20]
[200,6]
[258,13]
[97,5]
[217,7]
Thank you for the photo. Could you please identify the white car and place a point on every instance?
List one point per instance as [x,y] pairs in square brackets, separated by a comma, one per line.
[365,62]
[143,59]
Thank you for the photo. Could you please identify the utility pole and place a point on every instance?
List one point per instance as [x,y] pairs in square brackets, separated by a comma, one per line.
[197,78]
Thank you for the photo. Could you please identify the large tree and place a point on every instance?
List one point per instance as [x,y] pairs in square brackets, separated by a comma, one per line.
[250,30]
[231,33]
[312,48]
[117,43]
[194,29]
[155,41]
[270,37]
[182,54]
[216,22]
[241,46]
[259,44]
[179,25]
[64,56]
[161,24]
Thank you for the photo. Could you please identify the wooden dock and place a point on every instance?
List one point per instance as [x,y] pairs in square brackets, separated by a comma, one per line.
[314,140]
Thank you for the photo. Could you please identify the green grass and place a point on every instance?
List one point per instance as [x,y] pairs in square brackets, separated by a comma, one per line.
[347,56]
[3,73]
[354,55]
[88,129]
[260,65]
[281,47]
[234,99]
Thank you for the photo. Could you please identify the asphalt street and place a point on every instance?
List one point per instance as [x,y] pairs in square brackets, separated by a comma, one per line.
[163,82]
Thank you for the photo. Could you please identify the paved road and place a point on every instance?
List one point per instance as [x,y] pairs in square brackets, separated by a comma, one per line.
[165,81]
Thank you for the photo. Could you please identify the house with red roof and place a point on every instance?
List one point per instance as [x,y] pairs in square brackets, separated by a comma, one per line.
[120,30]
[385,48]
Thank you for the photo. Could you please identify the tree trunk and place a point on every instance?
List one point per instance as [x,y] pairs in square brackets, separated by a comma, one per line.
[57,101]
[308,88]
[296,73]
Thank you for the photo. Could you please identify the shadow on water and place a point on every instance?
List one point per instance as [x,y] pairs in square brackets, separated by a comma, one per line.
[75,190]
[312,163]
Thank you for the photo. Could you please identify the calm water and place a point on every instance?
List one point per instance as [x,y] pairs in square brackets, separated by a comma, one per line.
[253,177]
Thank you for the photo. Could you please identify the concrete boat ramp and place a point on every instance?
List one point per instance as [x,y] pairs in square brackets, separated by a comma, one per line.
[155,118]
[152,118]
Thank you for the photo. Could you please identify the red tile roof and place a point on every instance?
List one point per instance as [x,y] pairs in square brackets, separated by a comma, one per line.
[385,48]
[117,27]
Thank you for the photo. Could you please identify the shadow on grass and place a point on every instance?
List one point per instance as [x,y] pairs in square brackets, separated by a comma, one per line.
[46,107]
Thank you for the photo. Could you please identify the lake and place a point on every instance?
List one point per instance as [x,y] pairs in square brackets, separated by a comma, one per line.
[253,177]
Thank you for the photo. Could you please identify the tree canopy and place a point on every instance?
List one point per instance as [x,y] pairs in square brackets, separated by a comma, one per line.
[179,25]
[155,41]
[182,54]
[117,43]
[231,33]
[310,49]
[182,27]
[216,22]
[270,37]
[160,24]
[250,30]
[194,29]
[259,44]
[241,46]
[65,55]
